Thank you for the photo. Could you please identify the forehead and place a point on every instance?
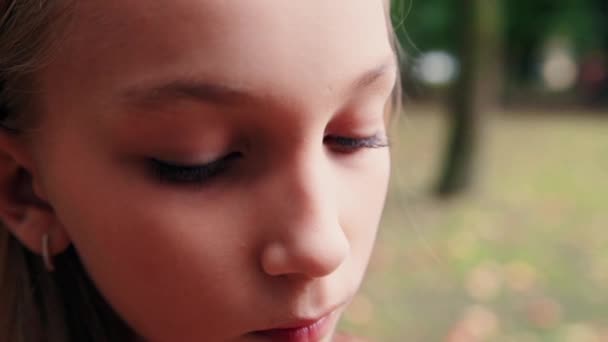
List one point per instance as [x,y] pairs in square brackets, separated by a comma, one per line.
[267,44]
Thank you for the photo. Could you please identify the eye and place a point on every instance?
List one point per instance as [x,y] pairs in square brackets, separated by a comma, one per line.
[343,144]
[174,173]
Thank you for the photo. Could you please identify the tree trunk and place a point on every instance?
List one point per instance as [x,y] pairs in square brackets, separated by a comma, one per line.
[461,148]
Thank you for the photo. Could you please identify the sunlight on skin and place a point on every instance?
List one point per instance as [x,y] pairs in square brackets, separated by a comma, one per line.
[296,126]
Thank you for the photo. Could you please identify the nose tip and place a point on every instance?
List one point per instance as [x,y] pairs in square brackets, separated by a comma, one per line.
[314,255]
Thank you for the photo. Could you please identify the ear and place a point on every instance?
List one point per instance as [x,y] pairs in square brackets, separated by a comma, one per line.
[24,209]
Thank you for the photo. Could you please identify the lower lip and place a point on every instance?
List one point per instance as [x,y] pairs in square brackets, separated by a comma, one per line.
[310,333]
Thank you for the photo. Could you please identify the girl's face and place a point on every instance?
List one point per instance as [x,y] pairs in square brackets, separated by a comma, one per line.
[220,166]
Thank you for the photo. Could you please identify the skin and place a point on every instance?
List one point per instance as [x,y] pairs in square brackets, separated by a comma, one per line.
[285,233]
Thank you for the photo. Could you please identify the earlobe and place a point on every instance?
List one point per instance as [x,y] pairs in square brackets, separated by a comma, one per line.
[24,213]
[30,223]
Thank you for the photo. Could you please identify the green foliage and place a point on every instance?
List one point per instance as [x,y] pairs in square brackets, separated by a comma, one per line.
[429,24]
[581,21]
[424,25]
[523,25]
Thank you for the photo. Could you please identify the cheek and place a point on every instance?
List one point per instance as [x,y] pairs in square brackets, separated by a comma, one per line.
[361,205]
[153,261]
[151,251]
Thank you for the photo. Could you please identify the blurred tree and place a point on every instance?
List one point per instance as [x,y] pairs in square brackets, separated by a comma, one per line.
[470,31]
[428,25]
[458,163]
[492,38]
[529,25]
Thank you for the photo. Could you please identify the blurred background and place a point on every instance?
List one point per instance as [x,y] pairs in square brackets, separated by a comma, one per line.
[496,227]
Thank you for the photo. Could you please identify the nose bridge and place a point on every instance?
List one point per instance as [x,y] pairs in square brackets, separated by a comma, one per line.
[309,185]
[307,238]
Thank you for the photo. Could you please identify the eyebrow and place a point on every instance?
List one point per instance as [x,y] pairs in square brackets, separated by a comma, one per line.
[226,95]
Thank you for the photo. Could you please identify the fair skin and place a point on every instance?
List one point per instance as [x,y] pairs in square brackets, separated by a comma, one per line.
[282,234]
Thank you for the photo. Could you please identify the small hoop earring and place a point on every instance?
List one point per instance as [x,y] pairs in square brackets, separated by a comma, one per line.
[46,256]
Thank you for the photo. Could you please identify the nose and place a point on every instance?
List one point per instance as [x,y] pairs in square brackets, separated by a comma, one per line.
[307,238]
[313,254]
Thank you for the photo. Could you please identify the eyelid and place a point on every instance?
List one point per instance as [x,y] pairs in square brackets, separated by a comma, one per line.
[227,156]
[181,173]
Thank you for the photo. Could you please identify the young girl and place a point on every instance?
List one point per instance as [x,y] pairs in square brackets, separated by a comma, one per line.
[189,170]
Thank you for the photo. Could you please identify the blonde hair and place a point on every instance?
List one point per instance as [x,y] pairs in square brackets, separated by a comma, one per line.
[37,306]
[23,42]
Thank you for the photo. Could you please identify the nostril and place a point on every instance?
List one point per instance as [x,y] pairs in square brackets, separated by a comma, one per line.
[274,260]
[310,258]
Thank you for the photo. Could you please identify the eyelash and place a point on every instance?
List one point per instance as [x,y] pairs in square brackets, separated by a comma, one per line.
[350,145]
[168,172]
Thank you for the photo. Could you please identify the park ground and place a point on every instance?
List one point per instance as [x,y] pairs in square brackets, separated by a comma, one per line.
[520,257]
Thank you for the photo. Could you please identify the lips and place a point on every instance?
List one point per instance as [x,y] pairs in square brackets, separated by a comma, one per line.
[299,331]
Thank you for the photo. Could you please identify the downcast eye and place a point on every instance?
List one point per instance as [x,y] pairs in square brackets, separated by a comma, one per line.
[349,144]
[170,172]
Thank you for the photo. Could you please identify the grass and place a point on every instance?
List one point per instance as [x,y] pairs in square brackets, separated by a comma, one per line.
[522,256]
